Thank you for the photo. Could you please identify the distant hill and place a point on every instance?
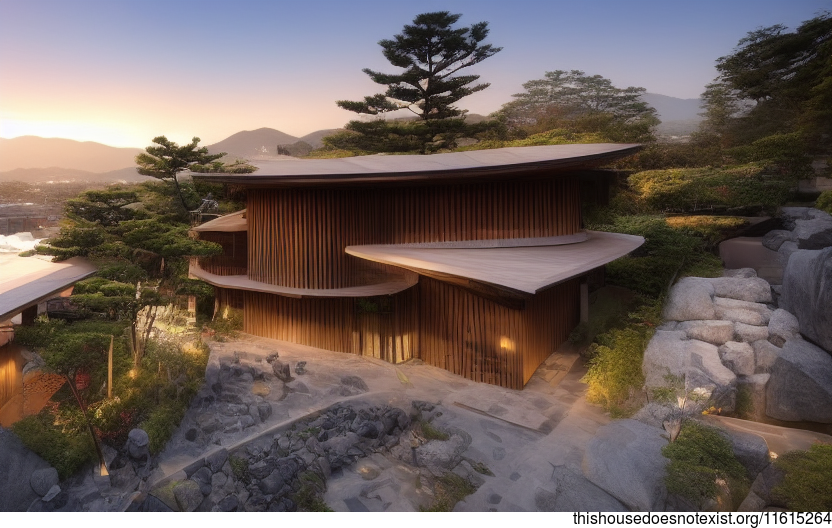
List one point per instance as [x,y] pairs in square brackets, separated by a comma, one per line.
[315,138]
[679,117]
[253,143]
[58,174]
[30,152]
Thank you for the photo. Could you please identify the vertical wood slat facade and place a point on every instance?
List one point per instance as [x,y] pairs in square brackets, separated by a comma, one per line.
[234,257]
[297,236]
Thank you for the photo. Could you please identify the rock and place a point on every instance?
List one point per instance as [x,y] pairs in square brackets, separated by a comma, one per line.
[281,370]
[782,326]
[751,289]
[17,463]
[43,479]
[188,495]
[749,333]
[814,233]
[264,410]
[739,357]
[800,387]
[271,357]
[755,391]
[203,478]
[708,378]
[742,273]
[216,460]
[300,368]
[807,293]
[654,414]
[714,332]
[666,354]
[228,504]
[137,445]
[624,459]
[573,492]
[785,252]
[750,449]
[191,434]
[768,479]
[741,311]
[689,299]
[752,503]
[790,215]
[765,354]
[277,482]
[355,382]
[774,239]
[52,493]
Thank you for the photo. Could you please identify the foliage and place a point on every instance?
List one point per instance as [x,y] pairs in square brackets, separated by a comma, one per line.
[557,136]
[806,485]
[228,324]
[429,432]
[308,497]
[705,188]
[614,368]
[239,467]
[166,159]
[449,489]
[787,75]
[66,451]
[103,207]
[824,202]
[698,457]
[430,51]
[583,104]
[238,166]
[710,229]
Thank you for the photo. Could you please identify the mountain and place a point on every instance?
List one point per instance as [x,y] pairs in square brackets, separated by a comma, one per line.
[58,174]
[314,138]
[252,143]
[30,152]
[673,108]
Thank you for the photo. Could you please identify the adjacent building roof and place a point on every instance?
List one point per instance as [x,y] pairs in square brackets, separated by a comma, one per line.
[43,281]
[522,269]
[494,163]
[229,223]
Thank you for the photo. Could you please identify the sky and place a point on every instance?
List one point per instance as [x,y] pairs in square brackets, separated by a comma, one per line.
[121,72]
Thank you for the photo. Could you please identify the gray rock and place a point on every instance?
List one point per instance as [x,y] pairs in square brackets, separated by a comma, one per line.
[768,479]
[203,478]
[800,387]
[281,370]
[765,354]
[52,493]
[752,503]
[188,495]
[755,390]
[216,460]
[264,411]
[43,479]
[774,239]
[749,333]
[807,293]
[714,332]
[300,368]
[654,414]
[815,233]
[739,357]
[716,381]
[785,252]
[624,459]
[17,463]
[137,445]
[355,382]
[751,289]
[790,215]
[751,450]
[666,354]
[782,326]
[228,504]
[741,311]
[742,273]
[689,299]
[573,492]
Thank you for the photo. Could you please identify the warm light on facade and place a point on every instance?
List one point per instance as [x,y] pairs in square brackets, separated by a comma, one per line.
[507,344]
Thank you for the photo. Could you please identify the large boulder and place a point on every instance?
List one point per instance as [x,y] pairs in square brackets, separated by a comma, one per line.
[752,313]
[624,458]
[815,232]
[713,332]
[800,387]
[689,299]
[782,326]
[666,354]
[807,293]
[17,464]
[708,379]
[739,357]
[572,493]
[749,333]
[774,239]
[751,289]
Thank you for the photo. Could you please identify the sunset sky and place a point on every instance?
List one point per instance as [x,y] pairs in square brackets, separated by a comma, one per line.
[122,72]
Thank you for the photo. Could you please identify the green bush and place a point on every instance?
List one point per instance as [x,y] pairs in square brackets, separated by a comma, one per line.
[824,202]
[807,485]
[698,457]
[66,449]
[614,369]
[449,489]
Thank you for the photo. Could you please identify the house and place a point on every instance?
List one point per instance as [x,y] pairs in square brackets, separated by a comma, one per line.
[472,262]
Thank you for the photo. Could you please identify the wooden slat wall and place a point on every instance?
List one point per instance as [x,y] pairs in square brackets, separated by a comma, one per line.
[227,297]
[297,236]
[234,257]
[337,324]
[488,342]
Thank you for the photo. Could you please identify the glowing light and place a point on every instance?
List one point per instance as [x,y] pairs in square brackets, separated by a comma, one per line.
[506,344]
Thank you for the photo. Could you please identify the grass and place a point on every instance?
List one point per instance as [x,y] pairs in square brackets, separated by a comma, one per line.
[807,485]
[429,432]
[449,489]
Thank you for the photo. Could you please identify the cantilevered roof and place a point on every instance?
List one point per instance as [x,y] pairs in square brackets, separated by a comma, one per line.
[494,163]
[521,269]
[229,223]
[242,282]
[43,281]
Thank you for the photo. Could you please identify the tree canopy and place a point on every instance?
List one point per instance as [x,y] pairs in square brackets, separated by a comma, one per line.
[430,51]
[582,103]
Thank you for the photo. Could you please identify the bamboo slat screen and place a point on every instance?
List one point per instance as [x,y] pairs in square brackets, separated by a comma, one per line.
[341,324]
[297,236]
[226,297]
[488,342]
[234,257]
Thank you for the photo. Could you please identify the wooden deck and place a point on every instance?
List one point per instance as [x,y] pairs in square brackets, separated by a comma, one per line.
[524,269]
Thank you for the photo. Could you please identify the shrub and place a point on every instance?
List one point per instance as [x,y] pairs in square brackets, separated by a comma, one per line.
[807,485]
[824,202]
[67,450]
[449,489]
[614,369]
[698,457]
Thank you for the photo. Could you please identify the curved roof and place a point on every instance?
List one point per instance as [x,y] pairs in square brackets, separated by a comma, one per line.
[43,281]
[452,166]
[230,223]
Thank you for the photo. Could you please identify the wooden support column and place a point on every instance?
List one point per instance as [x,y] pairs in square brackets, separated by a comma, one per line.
[584,301]
[29,315]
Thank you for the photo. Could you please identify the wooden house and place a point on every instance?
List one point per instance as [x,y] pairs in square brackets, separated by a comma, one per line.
[472,262]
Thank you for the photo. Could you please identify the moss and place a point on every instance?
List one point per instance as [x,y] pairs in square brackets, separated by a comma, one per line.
[429,432]
[824,202]
[699,456]
[449,489]
[239,467]
[67,449]
[807,485]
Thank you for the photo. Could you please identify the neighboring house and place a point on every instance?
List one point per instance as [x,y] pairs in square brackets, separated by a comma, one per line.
[472,262]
